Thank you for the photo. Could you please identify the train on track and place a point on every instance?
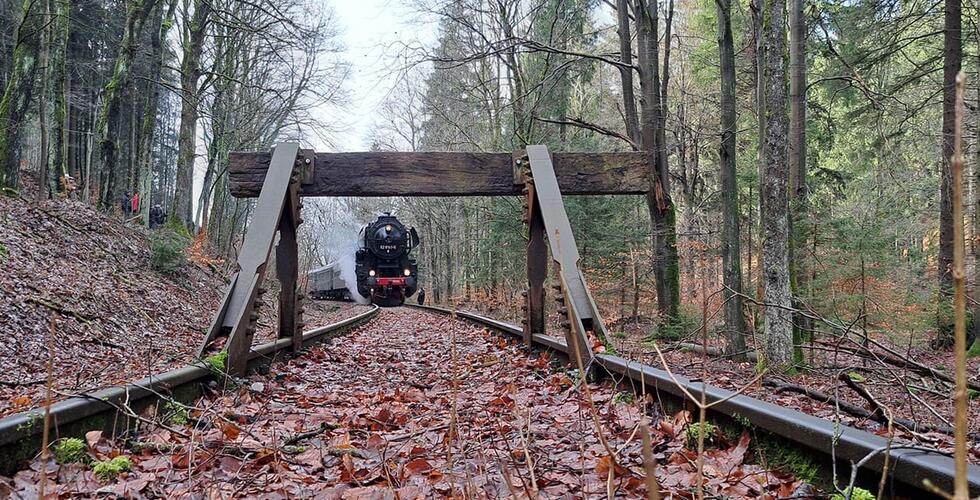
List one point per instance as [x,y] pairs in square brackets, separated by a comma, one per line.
[385,271]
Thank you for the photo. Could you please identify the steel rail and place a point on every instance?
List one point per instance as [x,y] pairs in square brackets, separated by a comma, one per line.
[908,468]
[20,433]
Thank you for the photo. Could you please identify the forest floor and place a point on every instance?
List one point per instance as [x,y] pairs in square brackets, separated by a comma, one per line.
[838,372]
[86,276]
[835,369]
[412,405]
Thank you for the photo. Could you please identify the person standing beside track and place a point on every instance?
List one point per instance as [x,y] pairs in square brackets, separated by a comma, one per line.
[420,297]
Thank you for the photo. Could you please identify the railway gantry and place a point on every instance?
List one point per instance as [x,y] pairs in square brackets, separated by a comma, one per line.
[281,178]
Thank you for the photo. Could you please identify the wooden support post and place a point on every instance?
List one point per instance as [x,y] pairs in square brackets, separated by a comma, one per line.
[537,268]
[287,268]
[236,317]
[242,331]
[577,304]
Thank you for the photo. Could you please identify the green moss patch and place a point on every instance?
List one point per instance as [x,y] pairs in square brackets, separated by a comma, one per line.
[108,470]
[696,430]
[780,456]
[69,450]
[856,494]
[176,413]
[217,362]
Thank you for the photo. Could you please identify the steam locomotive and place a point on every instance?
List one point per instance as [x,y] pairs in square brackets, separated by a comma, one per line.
[385,271]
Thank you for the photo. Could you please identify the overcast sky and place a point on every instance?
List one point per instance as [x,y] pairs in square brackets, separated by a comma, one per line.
[372,31]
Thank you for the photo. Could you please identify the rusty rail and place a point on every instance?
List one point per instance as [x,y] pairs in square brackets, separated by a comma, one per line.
[20,434]
[908,467]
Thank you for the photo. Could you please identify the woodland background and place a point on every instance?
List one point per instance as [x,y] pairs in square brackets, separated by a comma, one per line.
[796,148]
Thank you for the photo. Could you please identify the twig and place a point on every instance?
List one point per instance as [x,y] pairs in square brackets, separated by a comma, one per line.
[59,309]
[649,463]
[961,486]
[45,437]
[876,406]
[324,426]
[687,393]
[892,358]
[128,412]
[23,384]
[854,410]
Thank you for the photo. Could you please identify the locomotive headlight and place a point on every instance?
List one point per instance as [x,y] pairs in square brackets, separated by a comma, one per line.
[371,273]
[408,272]
[388,228]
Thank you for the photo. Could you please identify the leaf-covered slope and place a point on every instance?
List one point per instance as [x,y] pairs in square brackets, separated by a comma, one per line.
[114,318]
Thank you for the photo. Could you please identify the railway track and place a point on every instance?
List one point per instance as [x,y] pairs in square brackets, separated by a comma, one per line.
[908,468]
[114,408]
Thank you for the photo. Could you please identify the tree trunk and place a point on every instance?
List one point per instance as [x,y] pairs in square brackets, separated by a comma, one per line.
[110,118]
[659,202]
[43,102]
[775,217]
[760,109]
[730,237]
[512,60]
[18,93]
[626,74]
[151,105]
[952,57]
[975,331]
[62,87]
[797,175]
[195,29]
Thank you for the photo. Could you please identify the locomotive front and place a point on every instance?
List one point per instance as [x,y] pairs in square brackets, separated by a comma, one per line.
[385,270]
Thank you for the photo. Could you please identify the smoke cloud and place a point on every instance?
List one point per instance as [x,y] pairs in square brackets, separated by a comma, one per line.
[342,241]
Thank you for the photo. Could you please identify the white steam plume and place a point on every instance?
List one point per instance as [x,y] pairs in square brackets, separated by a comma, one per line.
[340,240]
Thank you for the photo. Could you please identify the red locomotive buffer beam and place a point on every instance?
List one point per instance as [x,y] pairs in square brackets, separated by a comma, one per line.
[391,281]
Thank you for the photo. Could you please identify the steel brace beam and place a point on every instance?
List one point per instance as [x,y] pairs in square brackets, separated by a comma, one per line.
[545,216]
[276,213]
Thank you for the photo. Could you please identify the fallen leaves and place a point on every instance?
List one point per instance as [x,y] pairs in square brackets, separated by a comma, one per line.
[119,320]
[369,416]
[230,430]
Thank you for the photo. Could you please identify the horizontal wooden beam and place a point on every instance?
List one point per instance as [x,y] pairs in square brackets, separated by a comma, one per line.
[443,174]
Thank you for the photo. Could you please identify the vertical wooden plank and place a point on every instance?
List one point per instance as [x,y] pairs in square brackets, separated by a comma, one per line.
[287,268]
[240,337]
[537,269]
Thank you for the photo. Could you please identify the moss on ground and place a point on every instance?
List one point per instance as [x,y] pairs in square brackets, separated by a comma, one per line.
[974,351]
[696,430]
[177,413]
[856,494]
[217,362]
[69,450]
[623,397]
[108,470]
[777,454]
